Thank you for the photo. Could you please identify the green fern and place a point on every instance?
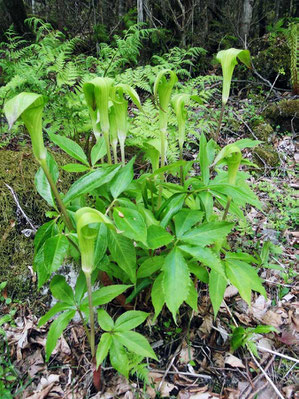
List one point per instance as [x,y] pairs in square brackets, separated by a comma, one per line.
[293,42]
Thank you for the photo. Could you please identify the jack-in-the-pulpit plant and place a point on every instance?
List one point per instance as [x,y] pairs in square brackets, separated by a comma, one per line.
[139,232]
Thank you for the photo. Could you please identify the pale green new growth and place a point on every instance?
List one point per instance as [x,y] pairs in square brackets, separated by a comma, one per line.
[228,60]
[28,106]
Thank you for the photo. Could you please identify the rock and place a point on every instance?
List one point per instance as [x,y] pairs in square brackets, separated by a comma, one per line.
[263,131]
[285,114]
[266,155]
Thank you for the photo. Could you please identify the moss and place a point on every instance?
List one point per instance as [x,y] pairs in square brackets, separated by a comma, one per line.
[263,131]
[17,169]
[285,114]
[265,154]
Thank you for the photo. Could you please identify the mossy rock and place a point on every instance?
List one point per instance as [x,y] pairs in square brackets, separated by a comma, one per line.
[265,154]
[263,131]
[17,169]
[285,114]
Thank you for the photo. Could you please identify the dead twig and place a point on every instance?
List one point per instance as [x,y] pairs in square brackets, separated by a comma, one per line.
[20,208]
[195,375]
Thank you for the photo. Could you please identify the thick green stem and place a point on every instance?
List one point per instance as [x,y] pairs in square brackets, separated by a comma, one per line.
[114,149]
[219,122]
[107,141]
[181,167]
[122,151]
[60,204]
[163,159]
[91,315]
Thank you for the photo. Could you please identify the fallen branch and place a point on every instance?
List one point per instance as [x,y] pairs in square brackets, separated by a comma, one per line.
[20,208]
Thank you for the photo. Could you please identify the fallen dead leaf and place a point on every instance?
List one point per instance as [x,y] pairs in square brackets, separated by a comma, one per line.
[233,361]
[207,324]
[186,354]
[230,291]
[43,394]
[272,318]
[165,389]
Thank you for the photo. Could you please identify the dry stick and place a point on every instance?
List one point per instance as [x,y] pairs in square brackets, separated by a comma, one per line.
[169,366]
[266,375]
[253,395]
[19,207]
[246,124]
[207,377]
[255,360]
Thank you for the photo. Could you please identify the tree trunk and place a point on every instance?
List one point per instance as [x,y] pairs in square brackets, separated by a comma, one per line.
[140,17]
[17,12]
[246,19]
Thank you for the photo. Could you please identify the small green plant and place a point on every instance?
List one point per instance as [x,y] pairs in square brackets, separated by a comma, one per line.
[243,337]
[228,59]
[140,232]
[292,35]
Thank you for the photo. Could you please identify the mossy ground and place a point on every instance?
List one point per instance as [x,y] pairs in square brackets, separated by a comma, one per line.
[17,169]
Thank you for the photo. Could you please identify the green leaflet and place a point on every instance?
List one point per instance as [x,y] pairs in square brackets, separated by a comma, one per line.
[204,160]
[122,179]
[103,348]
[123,252]
[55,251]
[129,320]
[70,147]
[185,219]
[104,295]
[176,280]
[90,182]
[217,286]
[158,298]
[136,343]
[205,256]
[61,290]
[131,223]
[118,357]
[245,278]
[207,233]
[228,60]
[157,237]
[98,151]
[41,182]
[56,329]
[58,307]
[105,321]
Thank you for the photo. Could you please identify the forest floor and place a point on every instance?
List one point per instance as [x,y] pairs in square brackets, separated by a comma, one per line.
[196,361]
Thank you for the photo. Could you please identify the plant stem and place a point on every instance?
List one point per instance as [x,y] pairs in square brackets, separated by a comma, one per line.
[122,151]
[114,148]
[61,205]
[181,167]
[107,141]
[163,151]
[91,315]
[219,122]
[226,208]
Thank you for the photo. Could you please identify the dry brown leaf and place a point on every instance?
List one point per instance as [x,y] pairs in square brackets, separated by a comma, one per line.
[272,318]
[233,361]
[207,324]
[230,291]
[259,307]
[218,359]
[43,394]
[165,389]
